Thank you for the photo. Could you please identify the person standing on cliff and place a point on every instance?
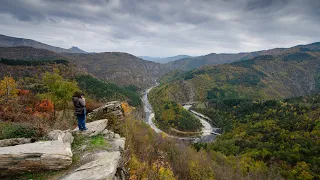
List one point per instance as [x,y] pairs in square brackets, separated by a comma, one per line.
[79,103]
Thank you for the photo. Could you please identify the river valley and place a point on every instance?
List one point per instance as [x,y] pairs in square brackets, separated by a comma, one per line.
[207,128]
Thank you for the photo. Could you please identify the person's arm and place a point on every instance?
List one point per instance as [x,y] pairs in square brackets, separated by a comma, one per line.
[82,102]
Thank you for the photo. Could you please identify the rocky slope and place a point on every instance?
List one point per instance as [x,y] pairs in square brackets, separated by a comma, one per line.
[290,74]
[7,41]
[213,58]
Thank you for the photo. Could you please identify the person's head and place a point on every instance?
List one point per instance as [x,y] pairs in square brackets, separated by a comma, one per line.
[77,94]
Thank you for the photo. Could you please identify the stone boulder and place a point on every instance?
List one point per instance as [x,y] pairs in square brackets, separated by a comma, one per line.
[15,141]
[64,136]
[102,167]
[94,128]
[117,144]
[42,155]
[113,107]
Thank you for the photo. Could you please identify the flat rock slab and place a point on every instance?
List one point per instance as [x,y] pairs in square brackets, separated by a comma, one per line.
[94,128]
[45,155]
[103,167]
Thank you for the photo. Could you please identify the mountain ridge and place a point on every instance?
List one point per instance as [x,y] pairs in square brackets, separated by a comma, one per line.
[224,58]
[116,67]
[165,59]
[293,73]
[8,41]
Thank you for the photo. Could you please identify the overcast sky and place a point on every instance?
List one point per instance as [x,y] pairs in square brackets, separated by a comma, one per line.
[163,27]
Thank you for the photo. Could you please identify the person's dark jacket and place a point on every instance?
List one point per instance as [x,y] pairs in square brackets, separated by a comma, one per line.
[79,105]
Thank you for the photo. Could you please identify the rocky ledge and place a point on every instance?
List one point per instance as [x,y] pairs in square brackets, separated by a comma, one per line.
[37,156]
[21,155]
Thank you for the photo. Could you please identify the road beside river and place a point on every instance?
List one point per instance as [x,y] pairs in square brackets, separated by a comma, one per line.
[206,135]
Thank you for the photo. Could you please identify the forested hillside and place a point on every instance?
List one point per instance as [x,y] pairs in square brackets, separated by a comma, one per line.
[28,53]
[223,58]
[171,116]
[264,77]
[280,134]
[121,68]
[248,101]
[104,91]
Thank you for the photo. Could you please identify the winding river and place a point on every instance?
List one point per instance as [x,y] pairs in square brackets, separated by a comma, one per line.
[206,135]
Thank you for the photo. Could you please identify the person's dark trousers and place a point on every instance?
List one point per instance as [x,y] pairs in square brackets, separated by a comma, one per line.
[82,121]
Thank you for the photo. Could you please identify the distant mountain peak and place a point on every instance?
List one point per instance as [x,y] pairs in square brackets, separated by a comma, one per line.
[75,49]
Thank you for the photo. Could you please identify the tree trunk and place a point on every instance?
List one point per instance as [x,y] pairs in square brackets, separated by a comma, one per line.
[54,109]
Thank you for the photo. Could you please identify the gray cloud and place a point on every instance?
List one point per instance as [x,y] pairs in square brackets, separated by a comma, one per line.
[164,28]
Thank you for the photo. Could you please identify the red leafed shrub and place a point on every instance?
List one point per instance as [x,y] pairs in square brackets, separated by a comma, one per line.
[23,92]
[28,110]
[44,106]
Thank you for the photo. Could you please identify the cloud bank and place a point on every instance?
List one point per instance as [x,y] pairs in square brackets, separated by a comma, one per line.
[163,27]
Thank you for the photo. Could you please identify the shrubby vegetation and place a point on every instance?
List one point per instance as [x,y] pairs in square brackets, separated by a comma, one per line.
[8,88]
[282,134]
[105,91]
[58,89]
[155,156]
[41,101]
[17,130]
[20,62]
[28,113]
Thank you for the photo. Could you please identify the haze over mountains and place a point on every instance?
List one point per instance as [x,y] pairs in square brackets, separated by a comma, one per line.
[164,60]
[7,41]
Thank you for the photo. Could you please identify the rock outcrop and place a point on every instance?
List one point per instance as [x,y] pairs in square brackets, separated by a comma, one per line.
[45,155]
[104,166]
[42,155]
[64,136]
[100,164]
[55,154]
[111,108]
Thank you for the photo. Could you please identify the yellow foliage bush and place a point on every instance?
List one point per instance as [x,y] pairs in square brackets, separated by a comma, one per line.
[8,87]
[126,108]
